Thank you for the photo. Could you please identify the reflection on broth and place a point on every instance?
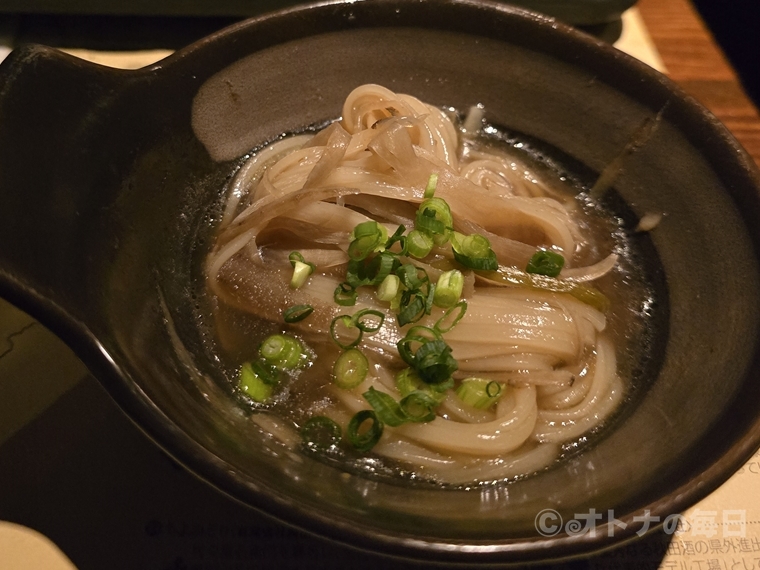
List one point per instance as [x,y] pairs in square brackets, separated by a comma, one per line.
[408,292]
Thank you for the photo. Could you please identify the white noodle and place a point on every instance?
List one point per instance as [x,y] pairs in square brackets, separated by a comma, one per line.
[548,350]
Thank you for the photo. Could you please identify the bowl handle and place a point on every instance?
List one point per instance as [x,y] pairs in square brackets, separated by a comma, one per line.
[51,105]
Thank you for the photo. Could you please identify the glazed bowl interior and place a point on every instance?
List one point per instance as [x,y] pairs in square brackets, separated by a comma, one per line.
[111,181]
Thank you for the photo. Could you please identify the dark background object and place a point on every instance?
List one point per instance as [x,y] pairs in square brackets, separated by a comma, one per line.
[580,12]
[173,24]
[735,26]
[112,32]
[116,32]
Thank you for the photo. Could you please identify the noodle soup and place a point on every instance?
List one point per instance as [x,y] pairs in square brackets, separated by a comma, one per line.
[405,293]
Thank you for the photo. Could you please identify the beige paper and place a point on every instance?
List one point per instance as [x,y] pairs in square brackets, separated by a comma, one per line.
[22,548]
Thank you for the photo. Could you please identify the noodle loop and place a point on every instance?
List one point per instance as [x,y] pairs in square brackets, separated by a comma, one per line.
[540,343]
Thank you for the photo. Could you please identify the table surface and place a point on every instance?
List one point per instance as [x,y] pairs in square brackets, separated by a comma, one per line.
[199,533]
[694,61]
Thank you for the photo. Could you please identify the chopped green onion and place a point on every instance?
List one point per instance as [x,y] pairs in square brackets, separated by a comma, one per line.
[432,360]
[544,262]
[365,324]
[268,373]
[414,304]
[361,248]
[380,267]
[418,334]
[489,263]
[441,387]
[282,351]
[321,432]
[474,245]
[256,382]
[424,333]
[434,216]
[387,409]
[350,369]
[367,237]
[365,440]
[443,325]
[429,299]
[371,271]
[479,392]
[356,274]
[296,257]
[389,288]
[412,277]
[347,323]
[418,406]
[431,184]
[396,301]
[474,251]
[301,272]
[407,381]
[345,295]
[297,313]
[366,320]
[448,289]
[434,363]
[419,244]
[301,269]
[397,237]
[369,228]
[412,312]
[427,222]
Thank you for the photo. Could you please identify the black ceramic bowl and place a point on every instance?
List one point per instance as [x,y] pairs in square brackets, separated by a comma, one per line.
[106,186]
